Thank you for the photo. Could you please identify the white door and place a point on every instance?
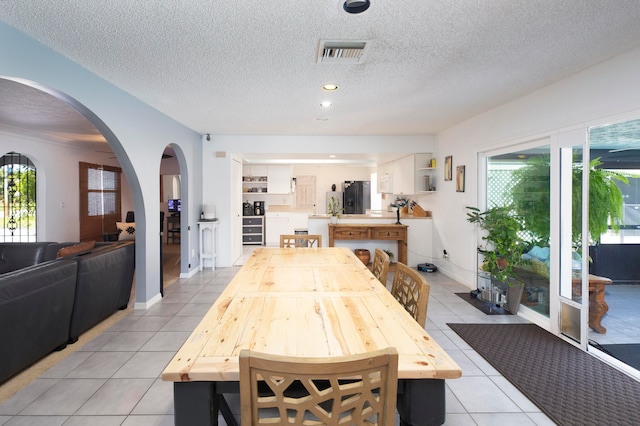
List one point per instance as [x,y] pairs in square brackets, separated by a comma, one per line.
[236,209]
[573,295]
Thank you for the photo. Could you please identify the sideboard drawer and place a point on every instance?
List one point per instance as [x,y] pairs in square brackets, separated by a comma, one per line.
[352,233]
[388,233]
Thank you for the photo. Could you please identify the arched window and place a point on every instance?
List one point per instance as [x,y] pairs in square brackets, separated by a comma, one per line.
[17,198]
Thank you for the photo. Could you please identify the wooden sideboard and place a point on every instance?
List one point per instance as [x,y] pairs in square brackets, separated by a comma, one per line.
[353,231]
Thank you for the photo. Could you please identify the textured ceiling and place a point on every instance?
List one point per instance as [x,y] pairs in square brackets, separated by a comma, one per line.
[250,67]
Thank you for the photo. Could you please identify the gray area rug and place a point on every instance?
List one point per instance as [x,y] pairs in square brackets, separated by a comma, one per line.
[567,384]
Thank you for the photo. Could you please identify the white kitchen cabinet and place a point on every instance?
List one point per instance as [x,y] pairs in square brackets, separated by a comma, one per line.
[266,179]
[284,223]
[254,170]
[385,178]
[408,174]
[404,175]
[279,179]
[277,223]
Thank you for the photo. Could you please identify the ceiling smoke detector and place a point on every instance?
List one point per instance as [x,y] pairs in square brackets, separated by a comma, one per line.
[342,51]
[356,6]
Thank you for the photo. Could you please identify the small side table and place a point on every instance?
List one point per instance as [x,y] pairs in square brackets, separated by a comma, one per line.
[208,249]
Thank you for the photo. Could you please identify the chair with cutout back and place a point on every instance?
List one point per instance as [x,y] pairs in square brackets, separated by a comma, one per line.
[412,291]
[300,240]
[380,266]
[357,389]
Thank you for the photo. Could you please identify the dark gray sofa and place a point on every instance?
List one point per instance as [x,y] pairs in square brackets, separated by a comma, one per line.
[42,297]
[36,304]
[105,278]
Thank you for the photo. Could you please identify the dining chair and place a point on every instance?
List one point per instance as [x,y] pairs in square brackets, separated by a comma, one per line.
[380,266]
[353,389]
[412,291]
[300,240]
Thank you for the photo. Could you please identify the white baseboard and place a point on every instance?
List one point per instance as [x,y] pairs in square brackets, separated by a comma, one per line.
[148,304]
[189,274]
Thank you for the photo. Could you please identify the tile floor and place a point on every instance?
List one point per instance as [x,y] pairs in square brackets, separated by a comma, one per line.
[115,379]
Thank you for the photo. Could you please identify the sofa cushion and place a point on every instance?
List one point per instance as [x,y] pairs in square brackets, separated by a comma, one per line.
[14,256]
[126,230]
[76,249]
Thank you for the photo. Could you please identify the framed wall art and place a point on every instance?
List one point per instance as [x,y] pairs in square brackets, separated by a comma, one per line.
[460,179]
[448,168]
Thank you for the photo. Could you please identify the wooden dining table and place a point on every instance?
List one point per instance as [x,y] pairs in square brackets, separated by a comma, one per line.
[306,302]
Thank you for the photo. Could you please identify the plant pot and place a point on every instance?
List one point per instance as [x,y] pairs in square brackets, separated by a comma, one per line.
[364,255]
[514,296]
[334,219]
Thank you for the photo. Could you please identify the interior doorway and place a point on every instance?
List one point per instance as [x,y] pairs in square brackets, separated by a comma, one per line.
[170,215]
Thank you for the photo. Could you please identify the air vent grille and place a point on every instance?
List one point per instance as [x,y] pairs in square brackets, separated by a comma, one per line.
[342,52]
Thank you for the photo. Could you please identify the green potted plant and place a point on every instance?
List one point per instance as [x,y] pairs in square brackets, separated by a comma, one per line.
[334,209]
[530,192]
[502,248]
[390,254]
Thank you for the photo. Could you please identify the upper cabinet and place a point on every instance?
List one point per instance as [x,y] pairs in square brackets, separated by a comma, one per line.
[412,174]
[254,170]
[279,179]
[385,178]
[266,179]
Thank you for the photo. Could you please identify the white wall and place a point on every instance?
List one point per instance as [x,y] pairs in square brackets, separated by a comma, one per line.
[607,92]
[137,133]
[217,154]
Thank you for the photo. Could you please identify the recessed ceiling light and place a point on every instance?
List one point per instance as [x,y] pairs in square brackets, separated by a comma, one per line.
[356,6]
[326,104]
[332,156]
[330,87]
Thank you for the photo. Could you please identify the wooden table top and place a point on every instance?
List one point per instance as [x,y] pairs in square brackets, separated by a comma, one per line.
[305,302]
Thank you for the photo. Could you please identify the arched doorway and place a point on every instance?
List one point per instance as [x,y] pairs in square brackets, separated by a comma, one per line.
[61,126]
[170,214]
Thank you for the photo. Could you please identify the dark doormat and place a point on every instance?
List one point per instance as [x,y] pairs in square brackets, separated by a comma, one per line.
[486,307]
[627,353]
[567,384]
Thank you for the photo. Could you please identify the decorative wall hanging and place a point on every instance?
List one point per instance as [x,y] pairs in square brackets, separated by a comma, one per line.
[448,167]
[460,179]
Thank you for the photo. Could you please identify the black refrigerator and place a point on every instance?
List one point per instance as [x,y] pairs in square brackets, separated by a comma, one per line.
[357,196]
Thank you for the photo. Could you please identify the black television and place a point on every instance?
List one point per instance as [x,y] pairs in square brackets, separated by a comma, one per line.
[173,205]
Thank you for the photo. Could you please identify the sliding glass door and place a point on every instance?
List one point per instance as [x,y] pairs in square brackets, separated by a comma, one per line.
[520,181]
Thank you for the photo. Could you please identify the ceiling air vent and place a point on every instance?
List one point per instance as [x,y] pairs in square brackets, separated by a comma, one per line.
[342,51]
